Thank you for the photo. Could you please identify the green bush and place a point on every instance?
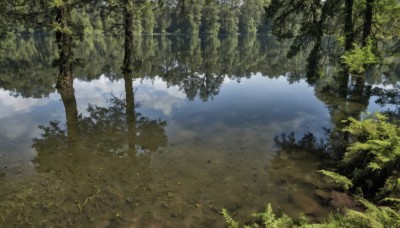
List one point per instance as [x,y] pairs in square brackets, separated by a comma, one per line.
[373,216]
[359,57]
[372,161]
[343,181]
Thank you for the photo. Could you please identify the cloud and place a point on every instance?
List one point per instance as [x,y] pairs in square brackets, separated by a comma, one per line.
[97,92]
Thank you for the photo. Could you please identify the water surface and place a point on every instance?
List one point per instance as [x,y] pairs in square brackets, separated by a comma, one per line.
[191,131]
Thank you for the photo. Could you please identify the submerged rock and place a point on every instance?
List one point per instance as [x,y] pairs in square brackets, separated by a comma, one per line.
[323,195]
[341,201]
[307,204]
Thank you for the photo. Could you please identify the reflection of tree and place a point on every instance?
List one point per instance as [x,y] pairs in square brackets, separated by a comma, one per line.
[294,169]
[195,64]
[192,63]
[117,129]
[251,55]
[99,163]
[388,97]
[20,72]
[201,71]
[26,70]
[343,101]
[95,170]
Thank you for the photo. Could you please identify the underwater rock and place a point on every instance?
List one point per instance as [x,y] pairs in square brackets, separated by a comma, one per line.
[308,205]
[341,200]
[323,195]
[177,215]
[164,204]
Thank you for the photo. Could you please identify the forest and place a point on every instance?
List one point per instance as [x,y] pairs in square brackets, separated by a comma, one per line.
[193,45]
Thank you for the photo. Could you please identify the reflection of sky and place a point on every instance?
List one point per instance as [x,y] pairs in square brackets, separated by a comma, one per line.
[255,107]
[19,121]
[152,94]
[96,92]
[374,107]
[268,105]
[155,95]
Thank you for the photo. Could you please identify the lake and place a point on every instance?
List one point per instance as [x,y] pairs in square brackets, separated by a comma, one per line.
[196,127]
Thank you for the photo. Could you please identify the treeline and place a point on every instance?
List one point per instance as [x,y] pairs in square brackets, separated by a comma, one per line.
[194,16]
[70,20]
[155,16]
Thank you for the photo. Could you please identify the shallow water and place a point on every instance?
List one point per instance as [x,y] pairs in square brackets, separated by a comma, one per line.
[170,145]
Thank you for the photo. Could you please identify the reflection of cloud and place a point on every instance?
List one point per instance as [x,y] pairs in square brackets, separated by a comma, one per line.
[159,85]
[97,92]
[159,101]
[228,80]
[13,128]
[156,95]
[258,108]
[152,94]
[223,131]
[16,134]
[10,105]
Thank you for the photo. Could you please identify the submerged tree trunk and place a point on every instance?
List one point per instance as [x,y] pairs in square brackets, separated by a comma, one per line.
[128,46]
[367,30]
[349,25]
[64,43]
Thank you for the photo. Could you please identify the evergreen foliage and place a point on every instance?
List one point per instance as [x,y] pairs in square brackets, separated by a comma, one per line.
[270,220]
[229,220]
[373,157]
[306,22]
[338,179]
[373,217]
[359,57]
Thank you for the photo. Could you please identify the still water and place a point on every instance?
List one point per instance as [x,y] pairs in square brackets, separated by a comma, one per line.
[191,131]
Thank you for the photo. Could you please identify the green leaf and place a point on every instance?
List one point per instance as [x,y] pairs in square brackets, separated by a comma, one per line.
[228,219]
[338,179]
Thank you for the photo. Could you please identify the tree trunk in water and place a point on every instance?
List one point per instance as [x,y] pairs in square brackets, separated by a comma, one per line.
[71,113]
[130,112]
[361,94]
[367,22]
[313,66]
[348,25]
[127,66]
[64,42]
